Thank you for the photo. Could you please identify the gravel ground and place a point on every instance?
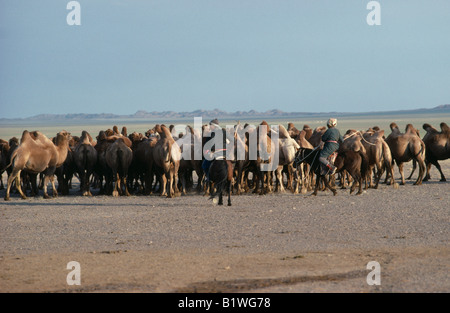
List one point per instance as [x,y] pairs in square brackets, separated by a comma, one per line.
[273,243]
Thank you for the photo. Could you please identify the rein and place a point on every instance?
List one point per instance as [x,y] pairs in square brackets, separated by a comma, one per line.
[362,137]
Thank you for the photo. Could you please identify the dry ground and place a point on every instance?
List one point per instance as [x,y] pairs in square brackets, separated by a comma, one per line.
[273,243]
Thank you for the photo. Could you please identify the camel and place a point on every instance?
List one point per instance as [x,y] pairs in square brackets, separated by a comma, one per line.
[189,162]
[379,156]
[265,157]
[118,157]
[406,147]
[242,162]
[437,147]
[36,156]
[85,159]
[316,137]
[287,150]
[167,155]
[304,176]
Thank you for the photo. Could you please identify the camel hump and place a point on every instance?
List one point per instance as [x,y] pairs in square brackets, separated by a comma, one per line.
[283,132]
[25,136]
[428,128]
[411,130]
[85,138]
[394,127]
[445,128]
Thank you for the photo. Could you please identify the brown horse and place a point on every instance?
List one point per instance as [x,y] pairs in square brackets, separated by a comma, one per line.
[355,163]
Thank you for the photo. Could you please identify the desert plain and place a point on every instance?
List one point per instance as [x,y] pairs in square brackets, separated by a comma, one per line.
[276,243]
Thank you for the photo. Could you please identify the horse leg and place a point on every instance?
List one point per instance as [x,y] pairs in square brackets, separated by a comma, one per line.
[229,192]
[318,179]
[327,185]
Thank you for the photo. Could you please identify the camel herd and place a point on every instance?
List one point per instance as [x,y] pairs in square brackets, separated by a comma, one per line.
[162,161]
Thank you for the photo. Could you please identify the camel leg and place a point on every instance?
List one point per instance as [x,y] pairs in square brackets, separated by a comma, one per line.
[9,183]
[45,185]
[163,182]
[421,171]
[115,192]
[126,187]
[279,175]
[170,179]
[54,191]
[413,169]
[15,175]
[438,166]
[428,166]
[400,169]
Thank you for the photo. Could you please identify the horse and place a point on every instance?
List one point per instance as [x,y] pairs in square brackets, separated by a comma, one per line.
[355,163]
[221,175]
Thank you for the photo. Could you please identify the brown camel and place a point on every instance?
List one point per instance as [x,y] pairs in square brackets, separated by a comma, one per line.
[406,147]
[437,147]
[167,155]
[316,138]
[36,156]
[118,157]
[4,149]
[85,159]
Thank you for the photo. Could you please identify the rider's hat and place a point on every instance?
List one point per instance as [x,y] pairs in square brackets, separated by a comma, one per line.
[332,122]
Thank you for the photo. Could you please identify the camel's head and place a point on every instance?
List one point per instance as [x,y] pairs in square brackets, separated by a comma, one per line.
[101,135]
[63,136]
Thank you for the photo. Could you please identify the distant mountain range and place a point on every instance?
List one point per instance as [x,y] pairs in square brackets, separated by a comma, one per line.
[216,113]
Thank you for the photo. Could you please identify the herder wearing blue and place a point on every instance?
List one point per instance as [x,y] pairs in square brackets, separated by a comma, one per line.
[331,138]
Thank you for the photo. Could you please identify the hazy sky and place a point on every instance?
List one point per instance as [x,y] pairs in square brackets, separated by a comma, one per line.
[311,55]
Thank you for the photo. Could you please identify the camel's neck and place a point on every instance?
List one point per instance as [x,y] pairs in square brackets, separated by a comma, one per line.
[63,149]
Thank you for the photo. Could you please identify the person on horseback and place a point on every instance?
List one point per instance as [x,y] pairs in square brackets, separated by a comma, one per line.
[216,150]
[331,138]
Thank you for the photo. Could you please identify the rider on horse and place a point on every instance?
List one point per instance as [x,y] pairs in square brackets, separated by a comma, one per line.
[331,138]
[216,152]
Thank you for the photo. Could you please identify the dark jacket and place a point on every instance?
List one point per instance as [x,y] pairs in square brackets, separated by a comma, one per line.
[331,138]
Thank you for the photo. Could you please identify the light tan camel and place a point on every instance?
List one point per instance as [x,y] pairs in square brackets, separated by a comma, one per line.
[379,157]
[406,147]
[167,155]
[38,155]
